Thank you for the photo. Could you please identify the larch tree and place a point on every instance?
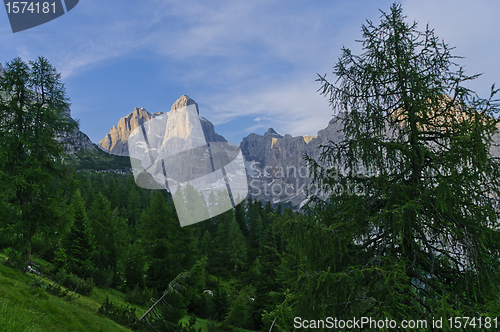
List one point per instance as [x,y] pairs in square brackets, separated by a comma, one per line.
[422,240]
[33,106]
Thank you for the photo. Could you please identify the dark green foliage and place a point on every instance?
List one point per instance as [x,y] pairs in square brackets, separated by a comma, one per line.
[134,205]
[239,213]
[98,160]
[33,104]
[139,295]
[168,246]
[240,313]
[268,282]
[57,290]
[79,242]
[232,243]
[423,239]
[125,316]
[107,230]
[60,259]
[166,312]
[73,283]
[134,266]
[222,303]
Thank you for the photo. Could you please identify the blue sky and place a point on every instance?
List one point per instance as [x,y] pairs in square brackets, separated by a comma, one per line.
[250,65]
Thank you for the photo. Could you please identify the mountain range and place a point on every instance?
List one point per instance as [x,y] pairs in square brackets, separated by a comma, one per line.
[275,164]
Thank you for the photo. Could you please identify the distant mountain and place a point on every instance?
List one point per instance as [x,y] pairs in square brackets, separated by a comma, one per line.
[76,140]
[116,143]
[276,166]
[85,155]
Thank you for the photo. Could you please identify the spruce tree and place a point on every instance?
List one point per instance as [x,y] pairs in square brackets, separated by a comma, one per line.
[108,231]
[168,246]
[268,283]
[232,243]
[79,242]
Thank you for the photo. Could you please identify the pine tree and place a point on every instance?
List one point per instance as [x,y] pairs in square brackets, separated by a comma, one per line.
[256,226]
[239,213]
[134,266]
[268,284]
[423,239]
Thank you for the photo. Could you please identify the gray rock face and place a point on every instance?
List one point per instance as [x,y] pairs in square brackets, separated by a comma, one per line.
[77,141]
[2,69]
[116,141]
[276,167]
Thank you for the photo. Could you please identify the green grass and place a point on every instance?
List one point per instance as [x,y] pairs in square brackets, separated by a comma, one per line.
[27,308]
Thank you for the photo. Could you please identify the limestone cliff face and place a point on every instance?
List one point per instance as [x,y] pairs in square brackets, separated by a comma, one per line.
[2,69]
[76,140]
[116,143]
[276,166]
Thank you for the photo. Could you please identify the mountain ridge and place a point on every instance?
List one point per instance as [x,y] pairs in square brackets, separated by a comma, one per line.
[276,167]
[115,142]
[265,155]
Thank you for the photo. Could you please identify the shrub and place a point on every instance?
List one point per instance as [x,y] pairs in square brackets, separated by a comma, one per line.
[122,315]
[80,285]
[139,296]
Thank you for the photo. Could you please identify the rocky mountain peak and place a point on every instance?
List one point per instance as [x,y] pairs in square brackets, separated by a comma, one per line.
[76,140]
[184,101]
[116,141]
[271,132]
[2,69]
[178,125]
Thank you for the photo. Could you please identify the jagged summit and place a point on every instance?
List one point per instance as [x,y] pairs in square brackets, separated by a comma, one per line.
[184,101]
[272,132]
[116,141]
[2,69]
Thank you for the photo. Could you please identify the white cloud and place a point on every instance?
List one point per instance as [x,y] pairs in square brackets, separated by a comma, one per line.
[293,107]
[249,58]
